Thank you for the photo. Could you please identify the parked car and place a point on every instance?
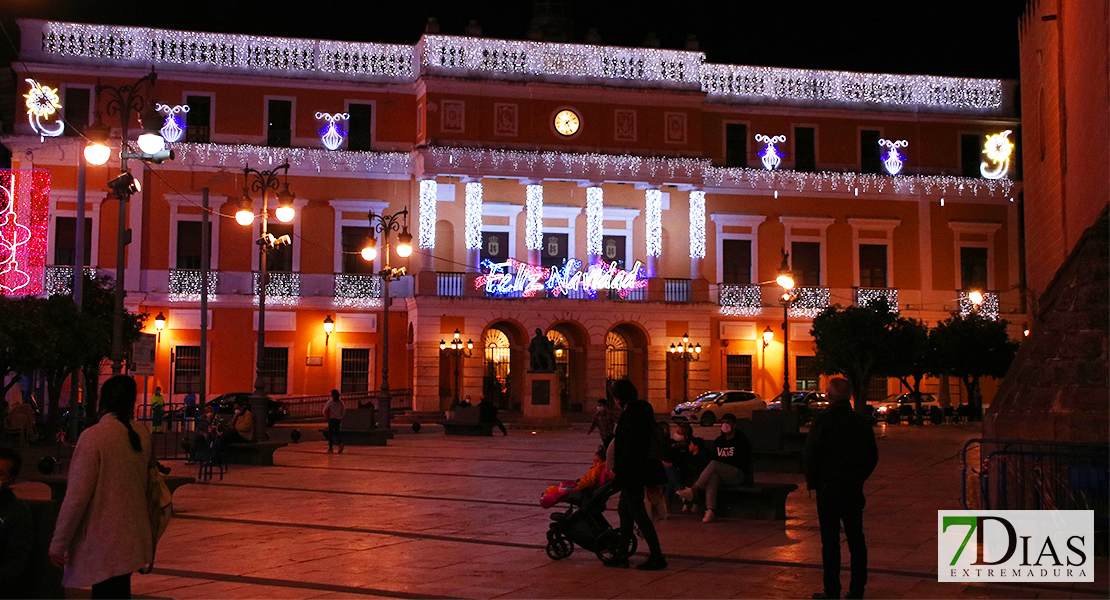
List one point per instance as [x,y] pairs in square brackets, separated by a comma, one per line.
[895,406]
[709,407]
[225,406]
[808,404]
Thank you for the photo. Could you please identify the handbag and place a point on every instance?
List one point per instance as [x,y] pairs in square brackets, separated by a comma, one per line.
[159,505]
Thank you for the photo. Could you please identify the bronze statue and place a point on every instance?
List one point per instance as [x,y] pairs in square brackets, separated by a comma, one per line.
[543,353]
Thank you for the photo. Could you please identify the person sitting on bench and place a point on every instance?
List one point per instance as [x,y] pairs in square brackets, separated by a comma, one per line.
[732,459]
[241,427]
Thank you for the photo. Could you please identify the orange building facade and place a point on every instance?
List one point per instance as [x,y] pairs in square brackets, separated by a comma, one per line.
[616,199]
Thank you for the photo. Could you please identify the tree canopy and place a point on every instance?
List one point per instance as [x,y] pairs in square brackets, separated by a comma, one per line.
[853,342]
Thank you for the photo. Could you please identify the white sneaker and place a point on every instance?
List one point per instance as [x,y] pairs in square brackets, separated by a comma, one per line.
[687,507]
[686,494]
[708,518]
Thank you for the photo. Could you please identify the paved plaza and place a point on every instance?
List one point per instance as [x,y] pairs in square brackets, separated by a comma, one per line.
[437,516]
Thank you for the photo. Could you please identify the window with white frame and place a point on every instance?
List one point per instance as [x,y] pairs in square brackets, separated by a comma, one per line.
[354,370]
[973,250]
[279,122]
[184,242]
[558,242]
[873,240]
[62,229]
[77,108]
[351,230]
[198,121]
[737,238]
[274,370]
[499,239]
[806,241]
[65,241]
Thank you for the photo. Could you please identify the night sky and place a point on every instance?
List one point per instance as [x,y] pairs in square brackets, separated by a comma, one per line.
[970,38]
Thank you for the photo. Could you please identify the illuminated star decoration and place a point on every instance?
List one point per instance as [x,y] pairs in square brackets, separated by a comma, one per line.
[998,149]
[332,134]
[770,155]
[893,159]
[42,103]
[174,128]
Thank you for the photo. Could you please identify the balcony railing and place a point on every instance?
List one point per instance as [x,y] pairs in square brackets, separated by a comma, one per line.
[864,296]
[809,301]
[988,309]
[740,300]
[677,290]
[284,287]
[184,285]
[450,283]
[58,279]
[358,291]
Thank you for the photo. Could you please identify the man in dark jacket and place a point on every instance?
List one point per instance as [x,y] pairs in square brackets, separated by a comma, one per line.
[487,413]
[840,454]
[635,469]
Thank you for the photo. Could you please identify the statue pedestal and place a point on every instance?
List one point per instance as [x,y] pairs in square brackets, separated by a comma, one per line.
[541,401]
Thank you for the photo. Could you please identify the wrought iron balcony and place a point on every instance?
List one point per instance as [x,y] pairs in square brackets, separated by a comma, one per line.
[864,296]
[987,309]
[284,287]
[58,279]
[677,290]
[357,291]
[450,283]
[809,301]
[739,300]
[184,285]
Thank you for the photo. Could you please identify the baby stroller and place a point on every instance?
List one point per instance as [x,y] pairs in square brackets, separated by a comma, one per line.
[583,524]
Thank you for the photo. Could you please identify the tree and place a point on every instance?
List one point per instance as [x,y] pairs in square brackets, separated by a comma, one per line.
[62,343]
[971,347]
[18,330]
[909,357]
[853,342]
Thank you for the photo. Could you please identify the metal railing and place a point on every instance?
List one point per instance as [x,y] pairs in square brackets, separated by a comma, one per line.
[358,290]
[1036,475]
[864,296]
[677,290]
[809,301]
[450,283]
[184,285]
[740,300]
[311,408]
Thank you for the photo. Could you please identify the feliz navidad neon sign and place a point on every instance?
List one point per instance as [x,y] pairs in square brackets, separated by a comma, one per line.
[513,277]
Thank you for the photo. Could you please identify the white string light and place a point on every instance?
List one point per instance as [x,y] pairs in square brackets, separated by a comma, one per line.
[358,291]
[850,182]
[988,308]
[284,288]
[332,134]
[185,285]
[865,296]
[174,128]
[473,215]
[654,214]
[770,155]
[42,103]
[893,159]
[809,301]
[428,200]
[339,161]
[740,300]
[533,224]
[697,224]
[998,149]
[595,203]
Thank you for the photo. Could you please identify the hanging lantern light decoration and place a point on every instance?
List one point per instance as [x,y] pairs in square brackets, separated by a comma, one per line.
[332,134]
[174,128]
[893,159]
[770,154]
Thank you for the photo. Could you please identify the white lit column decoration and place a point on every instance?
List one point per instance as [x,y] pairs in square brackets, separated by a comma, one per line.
[595,203]
[473,234]
[654,227]
[533,223]
[427,225]
[697,232]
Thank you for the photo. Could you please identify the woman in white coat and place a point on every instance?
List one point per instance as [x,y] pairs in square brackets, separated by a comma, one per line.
[103,531]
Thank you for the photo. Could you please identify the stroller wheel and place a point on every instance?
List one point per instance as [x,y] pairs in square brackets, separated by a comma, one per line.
[609,548]
[558,546]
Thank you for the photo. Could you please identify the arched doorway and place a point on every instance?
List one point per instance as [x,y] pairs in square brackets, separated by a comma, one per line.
[626,356]
[570,341]
[502,366]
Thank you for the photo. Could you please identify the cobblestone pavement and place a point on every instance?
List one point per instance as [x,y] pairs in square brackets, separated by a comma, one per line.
[437,516]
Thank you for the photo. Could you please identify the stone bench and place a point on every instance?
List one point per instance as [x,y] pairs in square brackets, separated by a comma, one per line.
[765,501]
[464,421]
[259,454]
[59,483]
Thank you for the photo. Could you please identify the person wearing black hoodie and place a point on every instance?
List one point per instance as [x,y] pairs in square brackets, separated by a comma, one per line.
[840,454]
[635,469]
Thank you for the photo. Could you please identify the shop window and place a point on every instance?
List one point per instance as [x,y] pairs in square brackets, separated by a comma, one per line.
[738,371]
[77,110]
[275,371]
[553,252]
[354,370]
[186,369]
[805,149]
[806,377]
[973,268]
[872,265]
[360,133]
[65,240]
[736,261]
[869,151]
[279,127]
[189,248]
[281,257]
[353,239]
[736,145]
[971,155]
[198,120]
[805,262]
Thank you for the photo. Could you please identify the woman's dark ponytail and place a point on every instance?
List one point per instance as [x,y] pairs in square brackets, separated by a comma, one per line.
[117,397]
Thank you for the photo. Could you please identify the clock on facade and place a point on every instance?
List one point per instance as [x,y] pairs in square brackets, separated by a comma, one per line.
[567,122]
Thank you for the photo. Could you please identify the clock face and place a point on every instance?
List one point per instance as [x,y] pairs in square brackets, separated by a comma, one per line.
[567,122]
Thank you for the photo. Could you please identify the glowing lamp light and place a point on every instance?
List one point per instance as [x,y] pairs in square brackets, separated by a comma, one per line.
[770,155]
[404,248]
[976,297]
[442,345]
[160,322]
[42,103]
[97,153]
[998,149]
[369,252]
[285,212]
[768,335]
[151,143]
[697,349]
[245,215]
[329,326]
[893,159]
[785,281]
[673,349]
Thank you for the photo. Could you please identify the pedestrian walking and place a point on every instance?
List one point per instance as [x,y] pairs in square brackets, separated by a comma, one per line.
[487,413]
[103,529]
[840,454]
[604,422]
[334,412]
[635,470]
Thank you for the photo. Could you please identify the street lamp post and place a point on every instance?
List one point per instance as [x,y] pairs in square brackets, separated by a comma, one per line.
[263,182]
[687,353]
[459,351]
[122,102]
[398,221]
[785,280]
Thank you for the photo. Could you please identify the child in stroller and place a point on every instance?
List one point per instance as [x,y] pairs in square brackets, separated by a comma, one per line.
[583,523]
